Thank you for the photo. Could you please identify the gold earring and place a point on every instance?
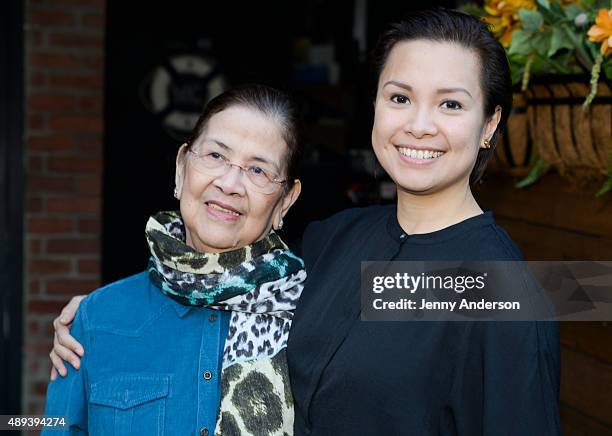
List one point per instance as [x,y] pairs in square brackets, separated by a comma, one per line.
[486,143]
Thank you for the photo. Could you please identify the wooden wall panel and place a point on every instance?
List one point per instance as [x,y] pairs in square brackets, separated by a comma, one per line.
[560,220]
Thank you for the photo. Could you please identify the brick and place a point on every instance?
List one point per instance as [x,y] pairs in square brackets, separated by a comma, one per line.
[90,145]
[34,38]
[34,247]
[72,286]
[89,186]
[91,81]
[51,18]
[93,20]
[90,225]
[74,205]
[75,165]
[36,80]
[34,205]
[49,267]
[45,306]
[50,184]
[75,40]
[91,104]
[35,164]
[89,266]
[52,60]
[77,124]
[73,246]
[50,225]
[51,102]
[40,388]
[36,122]
[50,142]
[34,286]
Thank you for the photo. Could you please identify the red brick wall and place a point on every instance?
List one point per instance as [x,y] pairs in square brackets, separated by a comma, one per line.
[64,136]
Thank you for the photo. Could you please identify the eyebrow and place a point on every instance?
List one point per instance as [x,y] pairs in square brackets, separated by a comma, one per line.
[439,91]
[255,158]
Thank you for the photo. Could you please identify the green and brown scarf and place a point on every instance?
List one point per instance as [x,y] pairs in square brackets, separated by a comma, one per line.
[260,284]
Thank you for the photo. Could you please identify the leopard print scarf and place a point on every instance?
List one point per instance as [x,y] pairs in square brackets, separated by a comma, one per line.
[260,284]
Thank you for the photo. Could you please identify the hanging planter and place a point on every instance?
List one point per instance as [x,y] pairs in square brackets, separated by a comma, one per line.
[563,120]
[574,140]
[514,150]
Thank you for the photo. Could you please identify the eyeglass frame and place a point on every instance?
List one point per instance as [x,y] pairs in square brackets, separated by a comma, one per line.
[228,164]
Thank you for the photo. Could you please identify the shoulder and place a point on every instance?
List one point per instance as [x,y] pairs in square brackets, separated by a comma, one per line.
[124,306]
[348,219]
[342,227]
[490,242]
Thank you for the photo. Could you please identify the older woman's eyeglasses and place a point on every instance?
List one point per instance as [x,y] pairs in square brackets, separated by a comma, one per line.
[214,163]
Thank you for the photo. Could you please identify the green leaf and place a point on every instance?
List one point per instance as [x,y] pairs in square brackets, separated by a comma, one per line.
[540,167]
[559,40]
[572,11]
[544,3]
[606,187]
[541,42]
[608,70]
[520,43]
[531,20]
[473,9]
[557,9]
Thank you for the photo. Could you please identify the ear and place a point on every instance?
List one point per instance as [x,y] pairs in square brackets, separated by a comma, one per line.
[490,126]
[287,201]
[179,175]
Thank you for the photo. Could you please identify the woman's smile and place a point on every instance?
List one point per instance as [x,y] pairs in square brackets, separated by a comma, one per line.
[419,155]
[222,211]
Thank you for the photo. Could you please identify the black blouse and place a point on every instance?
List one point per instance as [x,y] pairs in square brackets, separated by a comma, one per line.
[352,377]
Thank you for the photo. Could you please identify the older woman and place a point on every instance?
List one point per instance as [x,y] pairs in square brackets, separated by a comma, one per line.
[199,339]
[443,95]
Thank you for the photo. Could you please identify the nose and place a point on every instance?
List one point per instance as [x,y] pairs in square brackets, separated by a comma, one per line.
[420,122]
[231,182]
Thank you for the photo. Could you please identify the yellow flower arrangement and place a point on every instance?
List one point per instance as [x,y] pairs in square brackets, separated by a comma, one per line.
[601,31]
[503,17]
[553,37]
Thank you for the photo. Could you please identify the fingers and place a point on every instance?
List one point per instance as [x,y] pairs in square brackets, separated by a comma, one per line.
[64,339]
[65,353]
[58,364]
[53,375]
[69,311]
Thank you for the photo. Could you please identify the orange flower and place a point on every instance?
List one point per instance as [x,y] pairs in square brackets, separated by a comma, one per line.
[601,31]
[503,17]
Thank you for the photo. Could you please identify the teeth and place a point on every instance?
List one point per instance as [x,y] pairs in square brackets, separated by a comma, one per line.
[216,206]
[420,154]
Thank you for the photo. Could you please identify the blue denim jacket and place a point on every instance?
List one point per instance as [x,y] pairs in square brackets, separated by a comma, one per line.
[151,366]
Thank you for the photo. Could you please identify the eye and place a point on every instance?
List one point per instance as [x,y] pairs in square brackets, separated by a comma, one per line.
[216,156]
[258,171]
[452,105]
[400,99]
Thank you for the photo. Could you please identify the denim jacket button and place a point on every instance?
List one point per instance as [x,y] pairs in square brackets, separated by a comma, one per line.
[203,431]
[207,375]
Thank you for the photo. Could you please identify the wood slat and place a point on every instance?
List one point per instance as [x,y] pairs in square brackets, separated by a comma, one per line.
[592,338]
[552,201]
[577,424]
[586,384]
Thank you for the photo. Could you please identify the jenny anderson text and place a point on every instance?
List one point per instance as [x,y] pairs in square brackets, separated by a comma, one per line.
[407,304]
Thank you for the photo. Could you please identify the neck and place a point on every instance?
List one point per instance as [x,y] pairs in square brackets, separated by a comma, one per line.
[426,213]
